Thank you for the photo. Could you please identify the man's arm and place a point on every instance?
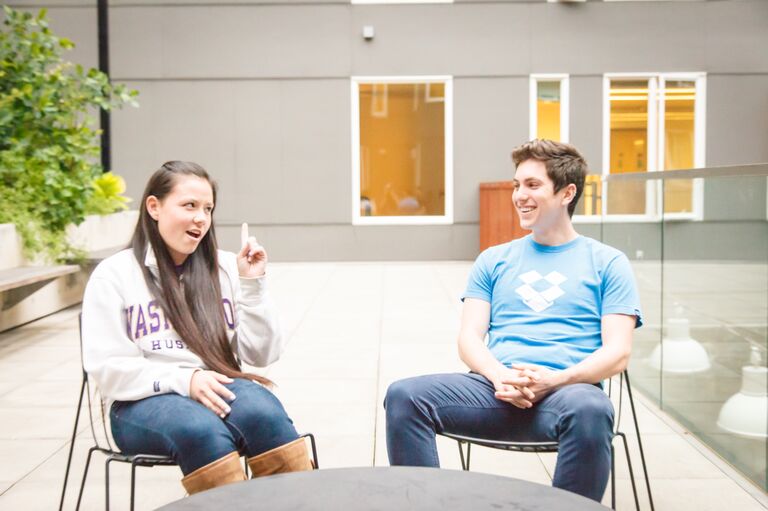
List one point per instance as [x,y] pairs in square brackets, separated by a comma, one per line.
[610,359]
[473,351]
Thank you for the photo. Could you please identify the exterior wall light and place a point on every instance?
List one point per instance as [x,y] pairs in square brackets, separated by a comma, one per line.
[681,353]
[745,414]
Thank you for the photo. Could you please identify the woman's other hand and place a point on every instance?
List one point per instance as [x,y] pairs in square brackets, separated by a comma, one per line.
[252,258]
[206,387]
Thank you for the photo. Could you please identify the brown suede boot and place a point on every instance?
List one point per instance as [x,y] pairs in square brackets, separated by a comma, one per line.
[290,457]
[223,471]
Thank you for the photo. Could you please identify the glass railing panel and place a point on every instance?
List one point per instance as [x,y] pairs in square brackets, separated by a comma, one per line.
[714,314]
[642,243]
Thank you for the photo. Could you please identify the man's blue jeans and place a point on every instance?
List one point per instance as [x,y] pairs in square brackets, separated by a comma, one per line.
[579,417]
[177,426]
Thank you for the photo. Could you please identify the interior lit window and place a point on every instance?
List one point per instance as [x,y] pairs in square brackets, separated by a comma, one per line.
[590,203]
[402,162]
[679,128]
[549,107]
[654,123]
[629,145]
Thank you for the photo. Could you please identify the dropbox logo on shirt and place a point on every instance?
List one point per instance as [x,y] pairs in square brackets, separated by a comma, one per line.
[548,290]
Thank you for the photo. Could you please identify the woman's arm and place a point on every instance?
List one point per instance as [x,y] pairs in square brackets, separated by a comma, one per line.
[112,359]
[259,337]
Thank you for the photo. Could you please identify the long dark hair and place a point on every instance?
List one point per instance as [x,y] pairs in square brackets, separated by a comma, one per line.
[194,309]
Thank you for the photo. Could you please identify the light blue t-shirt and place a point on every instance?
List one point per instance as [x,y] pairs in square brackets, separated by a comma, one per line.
[547,301]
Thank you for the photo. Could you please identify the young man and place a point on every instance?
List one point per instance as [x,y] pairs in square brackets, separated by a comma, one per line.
[559,310]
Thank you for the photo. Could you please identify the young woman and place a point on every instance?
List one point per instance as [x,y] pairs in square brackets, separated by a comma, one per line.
[164,325]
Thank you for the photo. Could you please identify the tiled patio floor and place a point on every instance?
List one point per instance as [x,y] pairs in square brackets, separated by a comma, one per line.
[354,328]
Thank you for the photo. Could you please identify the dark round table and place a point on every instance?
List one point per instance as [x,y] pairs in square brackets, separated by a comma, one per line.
[386,488]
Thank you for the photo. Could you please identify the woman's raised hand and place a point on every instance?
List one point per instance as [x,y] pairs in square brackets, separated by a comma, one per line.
[206,388]
[252,258]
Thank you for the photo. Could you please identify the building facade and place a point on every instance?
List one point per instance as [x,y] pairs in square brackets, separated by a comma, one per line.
[347,131]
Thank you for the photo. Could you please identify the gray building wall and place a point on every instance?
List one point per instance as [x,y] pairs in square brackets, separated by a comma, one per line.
[259,93]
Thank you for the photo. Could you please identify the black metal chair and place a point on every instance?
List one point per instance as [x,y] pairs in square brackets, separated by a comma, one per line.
[136,460]
[545,447]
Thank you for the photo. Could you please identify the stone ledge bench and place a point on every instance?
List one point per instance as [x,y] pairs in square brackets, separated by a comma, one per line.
[21,276]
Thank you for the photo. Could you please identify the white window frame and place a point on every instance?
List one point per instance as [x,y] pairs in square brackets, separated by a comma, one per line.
[654,189]
[533,124]
[447,218]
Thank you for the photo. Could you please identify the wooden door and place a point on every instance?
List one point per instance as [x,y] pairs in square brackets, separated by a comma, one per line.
[499,222]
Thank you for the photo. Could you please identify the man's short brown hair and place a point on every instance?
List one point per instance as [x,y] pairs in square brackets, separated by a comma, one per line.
[564,163]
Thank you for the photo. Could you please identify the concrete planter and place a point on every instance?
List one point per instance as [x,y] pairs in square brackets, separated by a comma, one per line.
[96,233]
[28,303]
[10,241]
[101,232]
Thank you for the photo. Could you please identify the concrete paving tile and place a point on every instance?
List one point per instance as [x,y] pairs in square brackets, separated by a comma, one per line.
[312,347]
[330,391]
[667,457]
[417,331]
[36,423]
[326,368]
[42,393]
[333,419]
[20,458]
[698,494]
[21,370]
[9,386]
[152,490]
[69,370]
[338,451]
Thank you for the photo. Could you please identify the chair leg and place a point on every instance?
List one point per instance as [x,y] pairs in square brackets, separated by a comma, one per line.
[106,480]
[72,445]
[133,482]
[461,455]
[314,451]
[85,475]
[613,477]
[469,453]
[629,465]
[639,441]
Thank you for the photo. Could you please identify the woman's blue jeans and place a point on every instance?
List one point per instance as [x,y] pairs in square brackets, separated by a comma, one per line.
[579,417]
[194,436]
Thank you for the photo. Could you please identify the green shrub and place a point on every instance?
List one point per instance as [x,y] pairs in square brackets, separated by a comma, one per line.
[48,147]
[107,196]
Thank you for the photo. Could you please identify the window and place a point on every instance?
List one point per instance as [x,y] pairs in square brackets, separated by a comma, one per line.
[650,123]
[549,107]
[402,167]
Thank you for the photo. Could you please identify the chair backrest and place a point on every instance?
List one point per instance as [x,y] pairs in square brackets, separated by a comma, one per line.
[90,396]
[620,396]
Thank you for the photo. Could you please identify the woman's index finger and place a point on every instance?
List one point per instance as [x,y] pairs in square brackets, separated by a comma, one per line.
[244,234]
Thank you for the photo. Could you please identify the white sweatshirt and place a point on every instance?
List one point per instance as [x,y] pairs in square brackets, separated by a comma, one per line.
[130,349]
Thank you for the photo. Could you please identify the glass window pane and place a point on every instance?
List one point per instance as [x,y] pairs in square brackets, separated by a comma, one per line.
[548,110]
[591,199]
[629,144]
[679,112]
[402,149]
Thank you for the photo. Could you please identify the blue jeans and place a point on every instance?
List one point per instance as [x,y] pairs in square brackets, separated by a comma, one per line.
[579,417]
[177,426]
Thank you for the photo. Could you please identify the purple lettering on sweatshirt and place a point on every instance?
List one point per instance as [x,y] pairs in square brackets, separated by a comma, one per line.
[154,317]
[229,313]
[140,323]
